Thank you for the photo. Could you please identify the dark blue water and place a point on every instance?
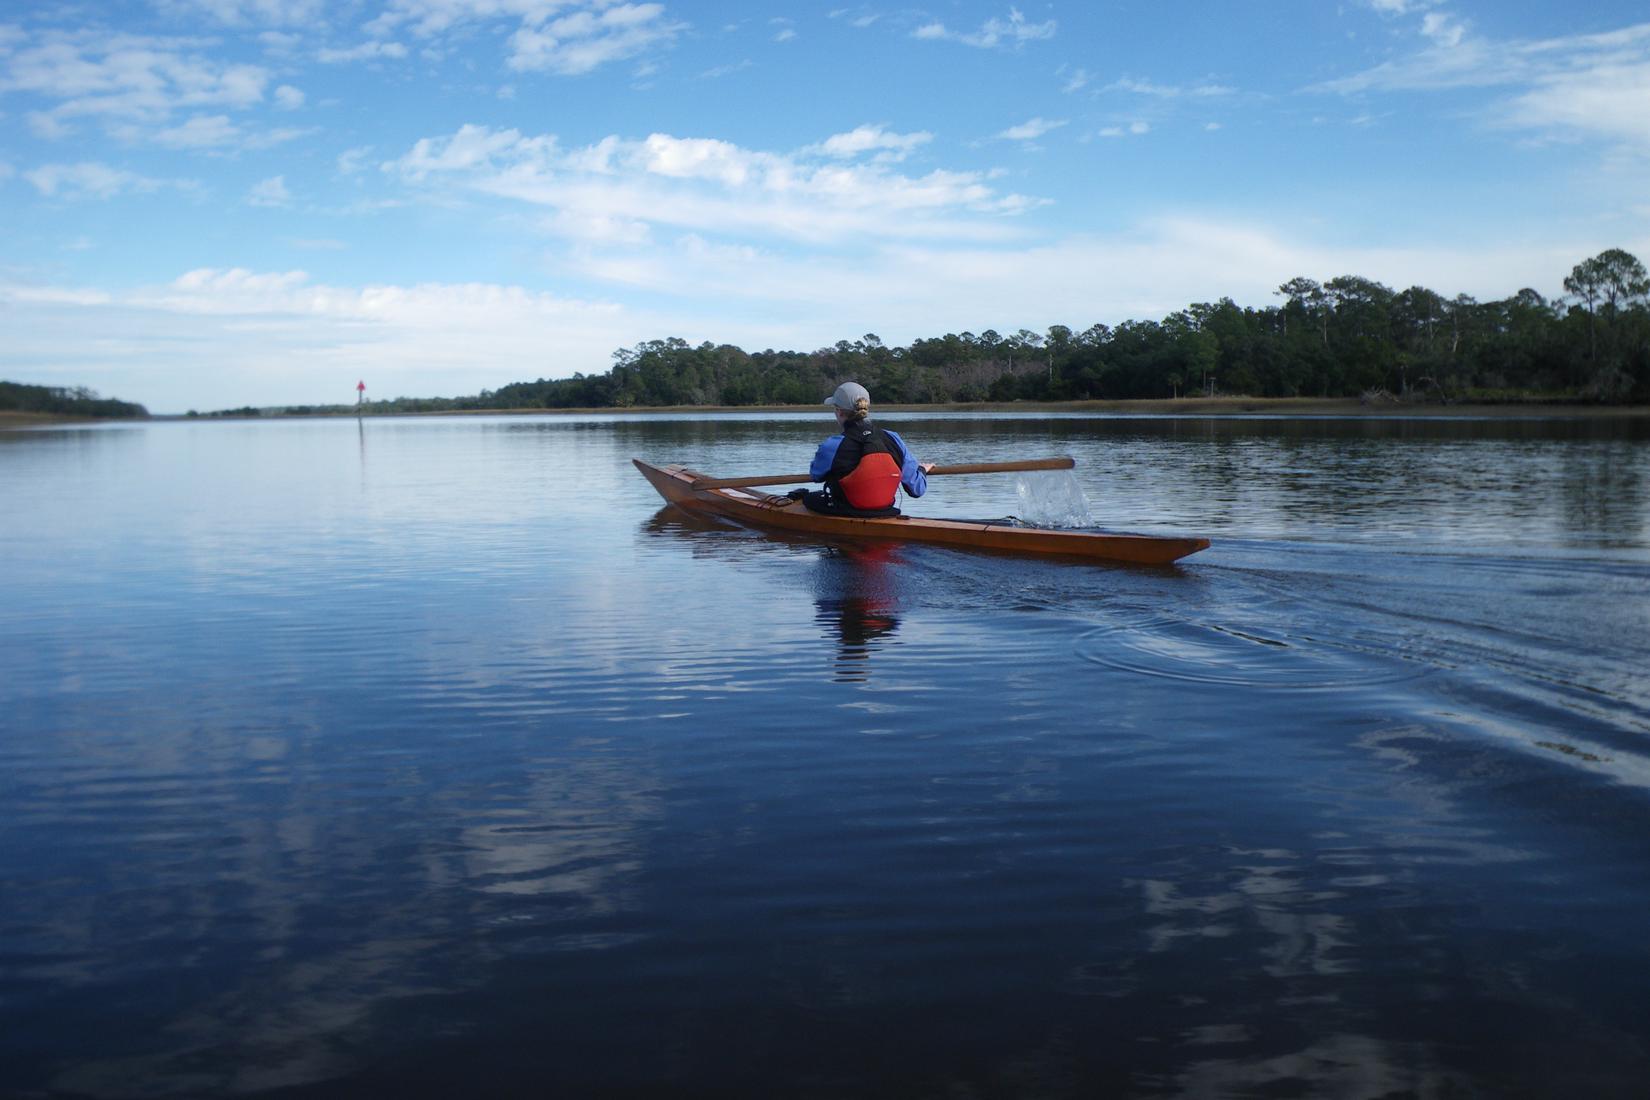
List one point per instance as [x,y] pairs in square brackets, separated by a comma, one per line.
[434,757]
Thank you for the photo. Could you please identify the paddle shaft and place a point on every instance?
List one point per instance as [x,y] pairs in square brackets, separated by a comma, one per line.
[1062,463]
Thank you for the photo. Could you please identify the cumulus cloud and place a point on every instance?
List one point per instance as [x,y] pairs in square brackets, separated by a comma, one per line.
[1011,32]
[288,98]
[471,147]
[871,139]
[717,188]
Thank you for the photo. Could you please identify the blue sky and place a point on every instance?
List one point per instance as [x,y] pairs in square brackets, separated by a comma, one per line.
[211,203]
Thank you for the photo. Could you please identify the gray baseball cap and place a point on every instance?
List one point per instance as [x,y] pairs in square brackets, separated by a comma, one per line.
[846,394]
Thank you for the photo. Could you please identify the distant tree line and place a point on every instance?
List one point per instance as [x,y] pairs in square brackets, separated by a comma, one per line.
[63,401]
[1347,337]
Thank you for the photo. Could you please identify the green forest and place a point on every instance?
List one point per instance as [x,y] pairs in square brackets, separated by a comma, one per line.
[19,397]
[1347,337]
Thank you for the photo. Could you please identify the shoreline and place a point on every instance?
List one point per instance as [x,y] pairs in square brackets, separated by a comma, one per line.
[1278,407]
[1281,408]
[26,420]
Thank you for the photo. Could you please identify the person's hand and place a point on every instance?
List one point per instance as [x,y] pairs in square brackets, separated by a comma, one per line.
[925,467]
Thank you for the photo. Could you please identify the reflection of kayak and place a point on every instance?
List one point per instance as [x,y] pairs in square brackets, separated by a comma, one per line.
[759,509]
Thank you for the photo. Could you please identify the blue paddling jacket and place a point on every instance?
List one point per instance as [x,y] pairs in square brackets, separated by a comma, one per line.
[841,455]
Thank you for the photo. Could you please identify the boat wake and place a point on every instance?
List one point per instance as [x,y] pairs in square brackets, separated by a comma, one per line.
[1230,656]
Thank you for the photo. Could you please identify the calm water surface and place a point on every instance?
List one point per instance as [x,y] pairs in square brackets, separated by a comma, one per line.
[433,757]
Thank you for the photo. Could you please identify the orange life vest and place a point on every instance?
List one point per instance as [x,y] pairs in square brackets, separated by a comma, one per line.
[873,484]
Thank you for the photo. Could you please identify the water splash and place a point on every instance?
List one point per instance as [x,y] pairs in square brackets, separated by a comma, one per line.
[1053,498]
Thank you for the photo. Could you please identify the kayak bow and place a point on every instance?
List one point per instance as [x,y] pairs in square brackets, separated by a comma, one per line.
[677,485]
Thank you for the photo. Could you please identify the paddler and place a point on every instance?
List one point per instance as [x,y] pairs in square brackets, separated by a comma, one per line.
[863,466]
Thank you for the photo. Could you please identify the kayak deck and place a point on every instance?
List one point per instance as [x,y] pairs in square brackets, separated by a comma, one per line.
[677,485]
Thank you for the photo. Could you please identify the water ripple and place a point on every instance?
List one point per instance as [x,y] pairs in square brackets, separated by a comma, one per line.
[1176,648]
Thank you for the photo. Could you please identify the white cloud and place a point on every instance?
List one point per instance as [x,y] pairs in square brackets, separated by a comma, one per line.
[715,188]
[353,161]
[785,35]
[1031,129]
[727,70]
[280,43]
[697,158]
[471,147]
[1013,31]
[584,40]
[859,18]
[1610,101]
[53,295]
[88,180]
[432,17]
[1168,91]
[242,13]
[200,132]
[1135,128]
[566,37]
[1075,81]
[288,98]
[185,343]
[593,226]
[1443,29]
[1399,7]
[269,192]
[1478,62]
[130,78]
[311,339]
[1595,85]
[871,139]
[366,51]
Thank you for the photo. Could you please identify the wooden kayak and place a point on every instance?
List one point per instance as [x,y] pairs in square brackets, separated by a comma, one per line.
[677,485]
